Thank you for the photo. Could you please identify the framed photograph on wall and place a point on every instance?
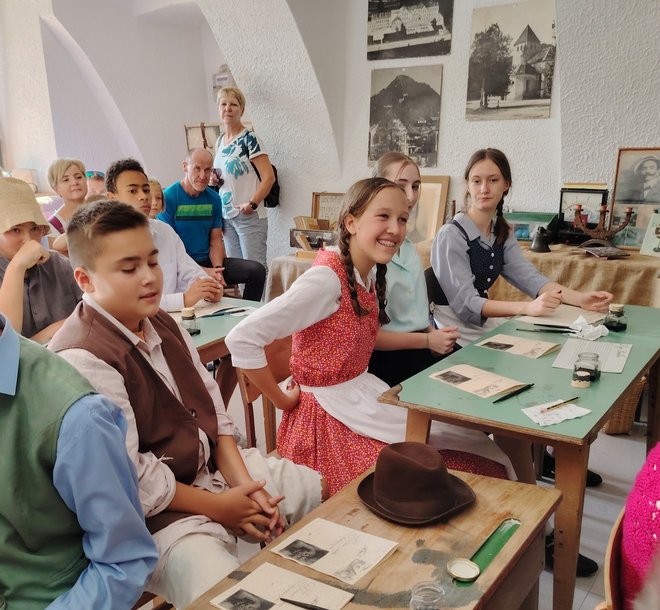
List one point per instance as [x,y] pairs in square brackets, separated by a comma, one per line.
[636,186]
[202,135]
[327,206]
[429,213]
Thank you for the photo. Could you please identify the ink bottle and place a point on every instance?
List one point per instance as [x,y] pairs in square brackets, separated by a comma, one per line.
[427,595]
[616,320]
[589,363]
[189,320]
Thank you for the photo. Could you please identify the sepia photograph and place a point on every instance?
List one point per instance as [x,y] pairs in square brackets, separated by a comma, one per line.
[303,552]
[244,600]
[451,377]
[404,113]
[409,28]
[512,61]
[636,187]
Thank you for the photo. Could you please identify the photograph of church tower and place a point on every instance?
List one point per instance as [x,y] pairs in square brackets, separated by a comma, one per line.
[512,61]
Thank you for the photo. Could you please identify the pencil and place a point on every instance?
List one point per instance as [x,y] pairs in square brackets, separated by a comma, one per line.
[559,404]
[223,312]
[293,602]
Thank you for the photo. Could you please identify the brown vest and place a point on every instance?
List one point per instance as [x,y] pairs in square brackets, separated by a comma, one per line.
[166,426]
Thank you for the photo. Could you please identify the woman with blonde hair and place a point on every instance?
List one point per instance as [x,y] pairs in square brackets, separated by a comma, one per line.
[248,177]
[66,177]
[157,198]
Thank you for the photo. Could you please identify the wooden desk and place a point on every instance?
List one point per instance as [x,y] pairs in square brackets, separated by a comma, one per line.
[633,280]
[509,581]
[210,344]
[428,399]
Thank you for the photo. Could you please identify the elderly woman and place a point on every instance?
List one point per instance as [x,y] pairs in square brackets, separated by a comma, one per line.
[67,178]
[248,177]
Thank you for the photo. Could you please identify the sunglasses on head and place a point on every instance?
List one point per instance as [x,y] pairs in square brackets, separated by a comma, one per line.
[95,174]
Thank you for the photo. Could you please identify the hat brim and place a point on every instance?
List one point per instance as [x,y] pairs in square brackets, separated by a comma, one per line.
[464,497]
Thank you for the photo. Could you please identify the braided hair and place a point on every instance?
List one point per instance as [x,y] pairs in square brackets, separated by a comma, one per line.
[502,227]
[355,202]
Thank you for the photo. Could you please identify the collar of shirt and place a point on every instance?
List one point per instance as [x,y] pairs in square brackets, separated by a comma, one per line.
[9,354]
[471,229]
[371,276]
[151,337]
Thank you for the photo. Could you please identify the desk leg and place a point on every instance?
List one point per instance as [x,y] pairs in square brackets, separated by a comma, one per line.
[418,426]
[570,478]
[652,397]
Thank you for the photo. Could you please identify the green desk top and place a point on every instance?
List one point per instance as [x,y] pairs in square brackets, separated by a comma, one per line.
[217,328]
[549,383]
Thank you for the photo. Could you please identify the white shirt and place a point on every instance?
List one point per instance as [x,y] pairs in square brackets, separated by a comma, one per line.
[313,297]
[179,270]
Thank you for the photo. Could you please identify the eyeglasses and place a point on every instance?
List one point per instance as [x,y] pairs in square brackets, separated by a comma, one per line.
[95,174]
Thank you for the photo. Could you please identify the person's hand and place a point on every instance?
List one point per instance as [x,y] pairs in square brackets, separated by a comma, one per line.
[291,396]
[543,305]
[441,341]
[246,209]
[203,288]
[269,507]
[217,273]
[237,512]
[31,253]
[596,301]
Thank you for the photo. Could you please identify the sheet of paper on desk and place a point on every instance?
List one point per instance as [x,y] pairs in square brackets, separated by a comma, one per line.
[564,315]
[612,356]
[567,411]
[263,588]
[336,550]
[519,346]
[476,381]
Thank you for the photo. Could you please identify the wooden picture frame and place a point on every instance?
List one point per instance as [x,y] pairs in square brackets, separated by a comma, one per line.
[591,201]
[429,214]
[636,186]
[327,206]
[195,139]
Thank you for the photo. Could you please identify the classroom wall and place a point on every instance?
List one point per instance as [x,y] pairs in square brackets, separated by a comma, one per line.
[302,65]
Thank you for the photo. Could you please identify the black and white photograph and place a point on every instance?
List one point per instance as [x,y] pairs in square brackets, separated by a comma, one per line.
[636,186]
[512,61]
[451,377]
[404,113]
[303,552]
[502,347]
[244,600]
[409,28]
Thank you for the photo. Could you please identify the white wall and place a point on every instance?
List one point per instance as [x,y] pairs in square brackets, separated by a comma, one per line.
[302,65]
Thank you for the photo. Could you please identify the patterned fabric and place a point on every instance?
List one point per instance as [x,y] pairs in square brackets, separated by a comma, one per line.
[641,528]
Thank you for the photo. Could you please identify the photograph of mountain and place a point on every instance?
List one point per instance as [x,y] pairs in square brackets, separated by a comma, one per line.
[405,113]
[512,61]
[409,28]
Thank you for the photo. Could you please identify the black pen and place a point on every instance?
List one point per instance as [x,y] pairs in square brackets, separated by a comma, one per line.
[514,393]
[558,326]
[293,602]
[223,312]
[545,330]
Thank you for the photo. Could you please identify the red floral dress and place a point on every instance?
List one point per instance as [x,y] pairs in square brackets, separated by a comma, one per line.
[333,351]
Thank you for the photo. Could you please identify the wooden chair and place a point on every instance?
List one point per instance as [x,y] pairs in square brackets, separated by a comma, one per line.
[278,354]
[155,602]
[612,568]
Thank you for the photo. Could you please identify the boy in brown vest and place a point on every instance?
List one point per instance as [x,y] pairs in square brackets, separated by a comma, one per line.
[197,489]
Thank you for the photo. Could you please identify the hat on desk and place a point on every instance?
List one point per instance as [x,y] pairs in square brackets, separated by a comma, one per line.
[411,486]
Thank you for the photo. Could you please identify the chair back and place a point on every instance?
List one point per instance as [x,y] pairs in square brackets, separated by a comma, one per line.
[433,290]
[612,568]
[278,354]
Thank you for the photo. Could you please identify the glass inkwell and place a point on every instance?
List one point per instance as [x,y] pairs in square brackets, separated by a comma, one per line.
[587,362]
[616,320]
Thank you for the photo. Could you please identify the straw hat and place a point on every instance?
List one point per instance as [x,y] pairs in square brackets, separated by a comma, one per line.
[18,205]
[411,486]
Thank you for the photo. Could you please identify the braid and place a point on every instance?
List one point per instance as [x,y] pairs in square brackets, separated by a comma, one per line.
[381,293]
[501,225]
[347,261]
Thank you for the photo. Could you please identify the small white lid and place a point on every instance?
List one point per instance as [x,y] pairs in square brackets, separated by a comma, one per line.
[463,569]
[616,307]
[188,312]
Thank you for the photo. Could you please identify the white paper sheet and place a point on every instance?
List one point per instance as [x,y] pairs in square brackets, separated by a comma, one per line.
[567,411]
[563,316]
[612,356]
[476,381]
[263,588]
[518,346]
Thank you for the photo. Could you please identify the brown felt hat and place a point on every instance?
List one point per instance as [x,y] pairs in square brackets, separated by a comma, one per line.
[411,486]
[18,205]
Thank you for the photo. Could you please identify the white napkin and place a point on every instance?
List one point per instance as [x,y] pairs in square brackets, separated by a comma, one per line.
[583,330]
[555,416]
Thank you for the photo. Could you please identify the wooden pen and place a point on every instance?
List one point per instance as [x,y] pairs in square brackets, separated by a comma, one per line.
[558,404]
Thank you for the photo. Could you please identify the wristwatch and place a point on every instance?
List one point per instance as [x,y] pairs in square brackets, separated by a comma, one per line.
[253,205]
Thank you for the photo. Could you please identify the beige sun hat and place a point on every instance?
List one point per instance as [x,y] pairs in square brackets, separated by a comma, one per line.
[18,205]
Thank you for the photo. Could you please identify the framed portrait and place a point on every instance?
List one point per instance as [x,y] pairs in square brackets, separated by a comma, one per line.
[590,200]
[429,214]
[636,187]
[202,135]
[651,243]
[327,206]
